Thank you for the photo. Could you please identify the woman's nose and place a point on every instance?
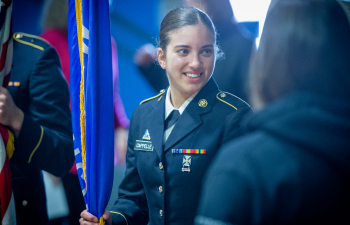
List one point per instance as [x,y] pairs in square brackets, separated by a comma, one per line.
[195,62]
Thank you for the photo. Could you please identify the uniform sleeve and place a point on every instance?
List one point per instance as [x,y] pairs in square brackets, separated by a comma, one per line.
[45,139]
[131,206]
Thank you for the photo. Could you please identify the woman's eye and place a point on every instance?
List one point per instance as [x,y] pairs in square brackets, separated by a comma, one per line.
[207,51]
[183,51]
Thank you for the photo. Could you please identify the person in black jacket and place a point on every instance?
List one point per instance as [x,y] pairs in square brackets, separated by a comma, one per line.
[35,107]
[174,136]
[292,166]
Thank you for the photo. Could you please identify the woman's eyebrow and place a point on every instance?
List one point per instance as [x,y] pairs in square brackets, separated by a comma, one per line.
[208,46]
[182,46]
[187,46]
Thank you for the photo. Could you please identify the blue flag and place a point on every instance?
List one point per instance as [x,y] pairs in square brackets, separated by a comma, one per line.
[91,87]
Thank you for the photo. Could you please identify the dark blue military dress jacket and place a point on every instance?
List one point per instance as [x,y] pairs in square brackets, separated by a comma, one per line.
[45,140]
[162,183]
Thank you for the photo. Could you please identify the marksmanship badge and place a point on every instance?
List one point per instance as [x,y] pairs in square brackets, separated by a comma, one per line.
[186,163]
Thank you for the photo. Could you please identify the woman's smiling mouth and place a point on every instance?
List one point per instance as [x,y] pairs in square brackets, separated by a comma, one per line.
[192,75]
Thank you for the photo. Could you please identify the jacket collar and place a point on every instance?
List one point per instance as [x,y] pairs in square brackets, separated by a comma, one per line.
[191,117]
[188,121]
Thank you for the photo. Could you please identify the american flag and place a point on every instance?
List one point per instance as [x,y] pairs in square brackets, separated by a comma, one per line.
[7,204]
[6,41]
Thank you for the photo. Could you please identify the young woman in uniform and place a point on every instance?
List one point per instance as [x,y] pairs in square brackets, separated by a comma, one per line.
[175,135]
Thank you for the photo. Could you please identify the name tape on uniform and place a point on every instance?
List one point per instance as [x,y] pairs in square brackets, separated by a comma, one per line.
[143,145]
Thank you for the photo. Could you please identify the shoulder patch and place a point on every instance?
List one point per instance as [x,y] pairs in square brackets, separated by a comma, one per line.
[160,94]
[229,98]
[30,40]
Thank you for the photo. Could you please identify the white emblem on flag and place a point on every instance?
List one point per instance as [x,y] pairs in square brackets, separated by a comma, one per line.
[76,151]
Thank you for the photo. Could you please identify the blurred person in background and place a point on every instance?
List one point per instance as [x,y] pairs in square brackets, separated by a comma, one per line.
[54,24]
[292,166]
[35,107]
[231,72]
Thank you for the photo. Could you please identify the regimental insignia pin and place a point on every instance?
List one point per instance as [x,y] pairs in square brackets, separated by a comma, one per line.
[203,103]
[186,163]
[146,136]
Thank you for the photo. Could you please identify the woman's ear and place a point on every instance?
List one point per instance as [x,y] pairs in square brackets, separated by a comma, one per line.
[161,58]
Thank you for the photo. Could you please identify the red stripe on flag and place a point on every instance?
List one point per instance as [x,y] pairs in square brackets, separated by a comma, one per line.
[6,187]
[4,53]
[6,81]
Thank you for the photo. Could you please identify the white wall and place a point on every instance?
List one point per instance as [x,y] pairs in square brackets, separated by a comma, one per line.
[251,10]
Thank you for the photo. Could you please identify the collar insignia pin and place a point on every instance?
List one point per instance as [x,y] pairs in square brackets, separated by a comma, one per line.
[146,136]
[203,103]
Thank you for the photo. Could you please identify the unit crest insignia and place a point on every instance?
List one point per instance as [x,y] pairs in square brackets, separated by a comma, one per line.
[146,136]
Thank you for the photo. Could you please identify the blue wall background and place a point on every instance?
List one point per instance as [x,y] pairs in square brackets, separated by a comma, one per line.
[26,16]
[133,23]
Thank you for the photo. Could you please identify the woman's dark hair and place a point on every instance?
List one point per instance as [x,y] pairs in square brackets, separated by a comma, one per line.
[183,16]
[305,45]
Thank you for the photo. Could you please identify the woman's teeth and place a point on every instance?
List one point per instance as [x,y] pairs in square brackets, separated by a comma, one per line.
[191,75]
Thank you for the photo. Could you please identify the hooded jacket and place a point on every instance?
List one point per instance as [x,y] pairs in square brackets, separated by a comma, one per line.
[292,168]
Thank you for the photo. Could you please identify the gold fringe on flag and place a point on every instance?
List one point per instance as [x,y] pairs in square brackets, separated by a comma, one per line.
[10,145]
[101,221]
[78,13]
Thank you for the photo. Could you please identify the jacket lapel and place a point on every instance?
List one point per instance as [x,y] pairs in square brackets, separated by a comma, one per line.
[155,125]
[191,117]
